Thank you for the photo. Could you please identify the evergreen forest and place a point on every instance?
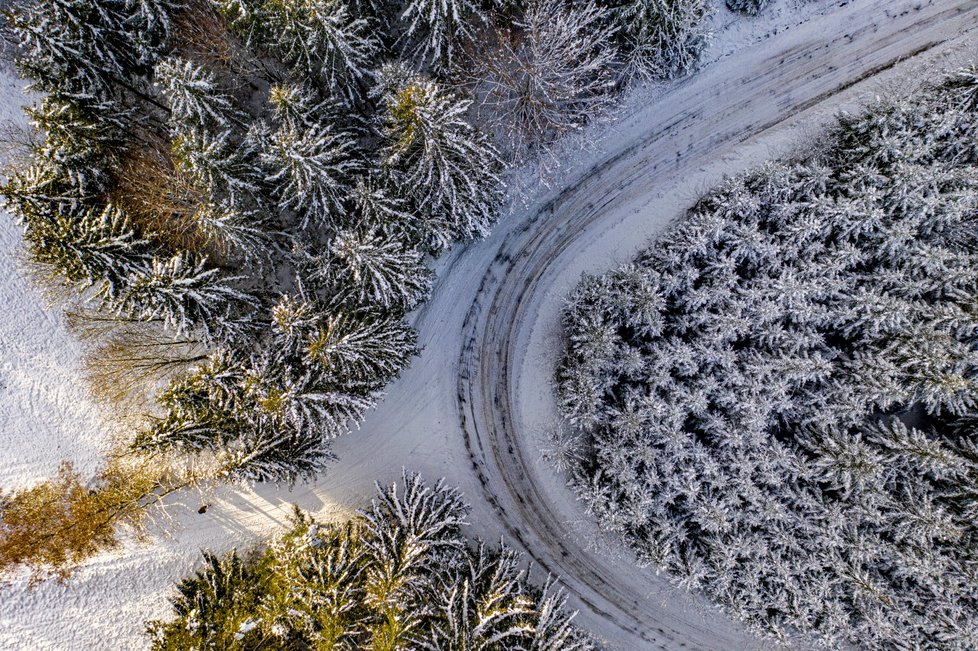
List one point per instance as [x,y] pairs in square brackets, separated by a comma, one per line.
[776,402]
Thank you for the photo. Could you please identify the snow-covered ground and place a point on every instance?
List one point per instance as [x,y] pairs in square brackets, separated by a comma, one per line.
[46,415]
[489,334]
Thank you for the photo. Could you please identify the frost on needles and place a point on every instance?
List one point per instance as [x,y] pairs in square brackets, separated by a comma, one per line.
[777,401]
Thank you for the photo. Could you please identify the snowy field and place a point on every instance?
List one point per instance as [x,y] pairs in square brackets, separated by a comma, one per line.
[476,405]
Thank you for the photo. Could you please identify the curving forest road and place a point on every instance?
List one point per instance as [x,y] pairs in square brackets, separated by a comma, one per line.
[738,100]
[472,407]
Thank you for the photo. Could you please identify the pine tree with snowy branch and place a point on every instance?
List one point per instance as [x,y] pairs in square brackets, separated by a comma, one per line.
[311,169]
[80,136]
[217,161]
[89,48]
[185,296]
[435,28]
[317,376]
[375,269]
[94,248]
[324,42]
[450,168]
[193,94]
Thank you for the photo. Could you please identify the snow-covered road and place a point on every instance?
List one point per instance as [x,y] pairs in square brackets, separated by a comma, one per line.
[476,405]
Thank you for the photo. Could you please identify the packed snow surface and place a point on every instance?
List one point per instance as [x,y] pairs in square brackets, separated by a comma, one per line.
[476,406]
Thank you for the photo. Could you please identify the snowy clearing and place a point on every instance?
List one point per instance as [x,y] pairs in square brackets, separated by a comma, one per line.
[490,339]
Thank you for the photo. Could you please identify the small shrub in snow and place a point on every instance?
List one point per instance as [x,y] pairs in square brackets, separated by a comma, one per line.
[52,526]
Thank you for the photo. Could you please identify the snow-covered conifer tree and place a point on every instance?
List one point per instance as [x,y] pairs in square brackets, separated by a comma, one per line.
[361,349]
[79,136]
[89,48]
[311,169]
[193,94]
[316,376]
[95,248]
[660,39]
[325,43]
[436,28]
[448,168]
[217,162]
[184,295]
[375,269]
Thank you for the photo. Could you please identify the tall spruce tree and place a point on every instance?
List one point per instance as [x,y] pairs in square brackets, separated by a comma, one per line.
[450,169]
[436,28]
[375,268]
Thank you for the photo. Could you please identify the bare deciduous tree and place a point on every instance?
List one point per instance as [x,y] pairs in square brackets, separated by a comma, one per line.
[547,75]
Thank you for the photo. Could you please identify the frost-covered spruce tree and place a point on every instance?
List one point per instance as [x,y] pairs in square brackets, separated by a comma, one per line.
[437,28]
[89,48]
[439,160]
[325,43]
[219,161]
[99,252]
[270,415]
[749,7]
[91,248]
[375,268]
[209,141]
[186,297]
[659,39]
[310,165]
[776,402]
[194,95]
[79,137]
[399,575]
[547,74]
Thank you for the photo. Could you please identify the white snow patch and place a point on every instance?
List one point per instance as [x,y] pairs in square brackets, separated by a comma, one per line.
[46,414]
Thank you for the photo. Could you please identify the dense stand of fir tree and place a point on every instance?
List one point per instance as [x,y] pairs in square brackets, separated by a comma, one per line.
[777,402]
[398,576]
[258,178]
